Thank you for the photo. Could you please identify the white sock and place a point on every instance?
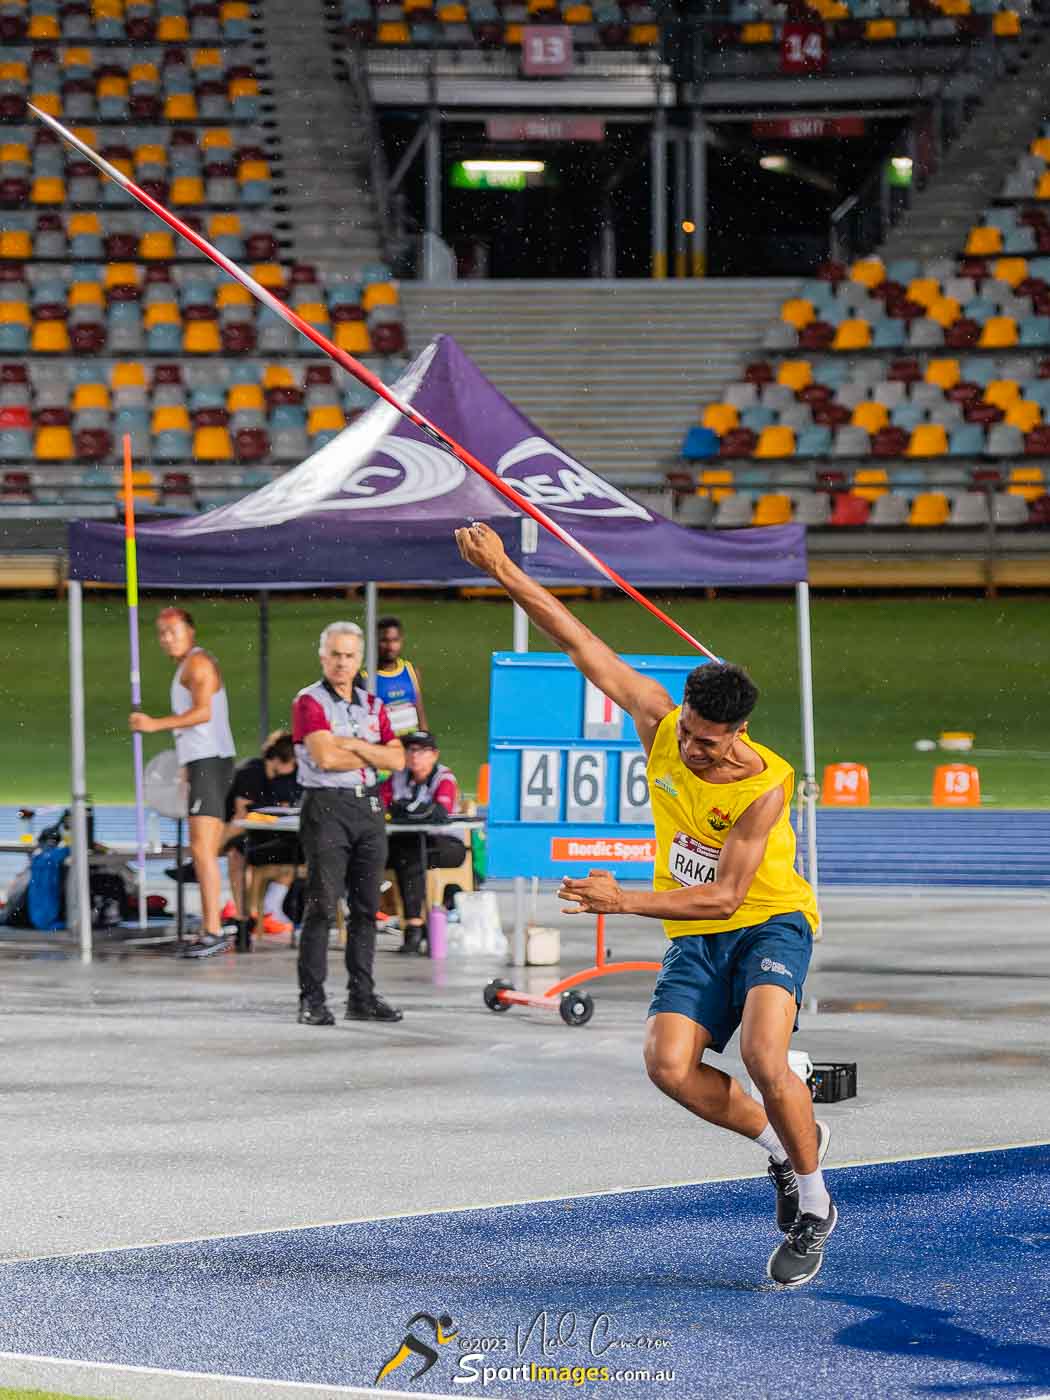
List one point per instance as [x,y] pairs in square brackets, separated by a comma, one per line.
[769,1142]
[813,1198]
[273,900]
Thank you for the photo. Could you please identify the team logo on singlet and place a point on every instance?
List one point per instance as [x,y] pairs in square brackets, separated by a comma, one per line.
[666,785]
[719,820]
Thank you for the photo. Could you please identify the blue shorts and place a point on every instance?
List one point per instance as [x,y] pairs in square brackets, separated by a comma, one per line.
[707,976]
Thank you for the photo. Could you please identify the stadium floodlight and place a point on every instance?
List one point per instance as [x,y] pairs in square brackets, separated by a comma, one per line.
[364,375]
[773,162]
[495,166]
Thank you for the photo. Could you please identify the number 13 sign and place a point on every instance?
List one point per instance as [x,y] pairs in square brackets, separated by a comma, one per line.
[546,50]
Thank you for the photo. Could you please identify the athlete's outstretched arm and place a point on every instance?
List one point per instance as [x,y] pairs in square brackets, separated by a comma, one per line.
[644,699]
[598,892]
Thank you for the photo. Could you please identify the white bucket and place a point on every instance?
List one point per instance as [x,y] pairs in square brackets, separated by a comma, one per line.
[798,1062]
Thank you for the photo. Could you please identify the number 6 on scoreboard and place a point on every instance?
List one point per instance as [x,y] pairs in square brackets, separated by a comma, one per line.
[540,783]
[585,786]
[634,789]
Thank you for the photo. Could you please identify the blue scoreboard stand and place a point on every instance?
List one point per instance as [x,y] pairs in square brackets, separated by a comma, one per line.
[567,784]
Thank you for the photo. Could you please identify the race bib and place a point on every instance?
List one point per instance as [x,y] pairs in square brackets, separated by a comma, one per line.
[404,717]
[691,862]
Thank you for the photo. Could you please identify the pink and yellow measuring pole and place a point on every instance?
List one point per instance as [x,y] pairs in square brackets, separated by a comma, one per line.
[131,571]
[365,375]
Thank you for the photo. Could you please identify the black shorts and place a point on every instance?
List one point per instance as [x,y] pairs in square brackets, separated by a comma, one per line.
[209,781]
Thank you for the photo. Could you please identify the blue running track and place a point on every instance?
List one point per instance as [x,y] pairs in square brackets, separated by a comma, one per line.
[937,1282]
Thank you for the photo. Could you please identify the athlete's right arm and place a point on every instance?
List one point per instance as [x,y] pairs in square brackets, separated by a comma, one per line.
[644,699]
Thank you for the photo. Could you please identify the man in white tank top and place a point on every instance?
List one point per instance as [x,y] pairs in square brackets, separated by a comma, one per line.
[200,720]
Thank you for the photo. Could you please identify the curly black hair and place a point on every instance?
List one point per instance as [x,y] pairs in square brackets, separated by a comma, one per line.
[720,693]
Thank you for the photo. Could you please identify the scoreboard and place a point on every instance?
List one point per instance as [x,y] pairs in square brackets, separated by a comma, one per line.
[567,784]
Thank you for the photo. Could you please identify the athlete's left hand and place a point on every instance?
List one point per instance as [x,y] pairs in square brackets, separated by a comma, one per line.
[139,723]
[598,893]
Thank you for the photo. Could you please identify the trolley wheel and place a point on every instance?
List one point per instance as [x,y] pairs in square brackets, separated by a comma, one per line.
[492,1000]
[575,1008]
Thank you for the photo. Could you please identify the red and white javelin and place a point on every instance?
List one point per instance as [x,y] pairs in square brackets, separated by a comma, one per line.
[362,373]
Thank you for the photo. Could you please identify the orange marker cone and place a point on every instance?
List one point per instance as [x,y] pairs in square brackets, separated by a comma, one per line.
[846,785]
[956,785]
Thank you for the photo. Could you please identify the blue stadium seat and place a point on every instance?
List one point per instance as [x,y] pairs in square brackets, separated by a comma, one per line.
[699,443]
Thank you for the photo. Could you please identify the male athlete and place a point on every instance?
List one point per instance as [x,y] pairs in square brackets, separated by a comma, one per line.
[739,917]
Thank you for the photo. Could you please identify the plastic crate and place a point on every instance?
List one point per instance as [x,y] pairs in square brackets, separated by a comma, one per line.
[830,1083]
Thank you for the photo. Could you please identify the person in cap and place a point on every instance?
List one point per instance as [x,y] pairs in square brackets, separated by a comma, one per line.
[424,792]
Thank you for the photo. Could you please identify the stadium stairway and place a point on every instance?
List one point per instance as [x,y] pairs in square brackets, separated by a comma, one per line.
[612,371]
[971,176]
[331,208]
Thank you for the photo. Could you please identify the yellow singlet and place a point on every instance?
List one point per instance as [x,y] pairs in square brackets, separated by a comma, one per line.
[693,819]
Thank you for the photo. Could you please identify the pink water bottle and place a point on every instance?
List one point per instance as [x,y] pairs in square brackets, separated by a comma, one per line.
[437,933]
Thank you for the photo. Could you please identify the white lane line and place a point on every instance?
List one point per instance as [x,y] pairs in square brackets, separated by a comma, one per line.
[509,1205]
[114,1381]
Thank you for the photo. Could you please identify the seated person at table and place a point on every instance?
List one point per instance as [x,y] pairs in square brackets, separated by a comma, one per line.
[269,781]
[425,791]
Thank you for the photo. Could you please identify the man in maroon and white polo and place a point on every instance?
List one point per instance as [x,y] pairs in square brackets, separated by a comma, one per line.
[342,737]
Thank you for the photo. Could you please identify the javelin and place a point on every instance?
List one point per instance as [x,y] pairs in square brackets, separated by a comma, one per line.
[366,377]
[132,584]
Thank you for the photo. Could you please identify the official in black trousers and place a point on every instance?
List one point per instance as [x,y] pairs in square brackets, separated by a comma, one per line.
[342,736]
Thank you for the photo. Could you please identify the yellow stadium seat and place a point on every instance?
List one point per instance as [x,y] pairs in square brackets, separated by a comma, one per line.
[122,275]
[53,445]
[224,226]
[88,135]
[776,441]
[212,445]
[279,377]
[870,482]
[15,72]
[944,373]
[15,313]
[924,290]
[852,334]
[451,12]
[75,57]
[953,7]
[392,32]
[1042,188]
[270,275]
[143,73]
[797,312]
[417,7]
[15,243]
[242,87]
[49,102]
[928,509]
[315,313]
[216,138]
[379,294]
[85,294]
[512,36]
[201,338]
[1012,270]
[644,36]
[353,337]
[156,245]
[1041,147]
[89,396]
[107,9]
[111,86]
[1002,392]
[187,189]
[715,482]
[325,418]
[180,106]
[928,440]
[172,29]
[749,34]
[1006,24]
[128,374]
[43,27]
[234,9]
[233,294]
[48,189]
[795,374]
[577,14]
[170,417]
[1024,414]
[83,223]
[869,272]
[253,170]
[161,313]
[998,333]
[150,155]
[870,416]
[1027,482]
[772,509]
[14,153]
[720,418]
[206,58]
[984,240]
[50,338]
[143,486]
[877,29]
[945,311]
[245,396]
[124,165]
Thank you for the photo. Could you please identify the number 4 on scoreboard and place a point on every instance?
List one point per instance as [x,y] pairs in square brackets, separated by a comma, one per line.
[540,785]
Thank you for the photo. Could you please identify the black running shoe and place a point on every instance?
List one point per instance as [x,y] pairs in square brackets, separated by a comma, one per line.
[208,944]
[317,1015]
[782,1175]
[413,943]
[799,1257]
[375,1009]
